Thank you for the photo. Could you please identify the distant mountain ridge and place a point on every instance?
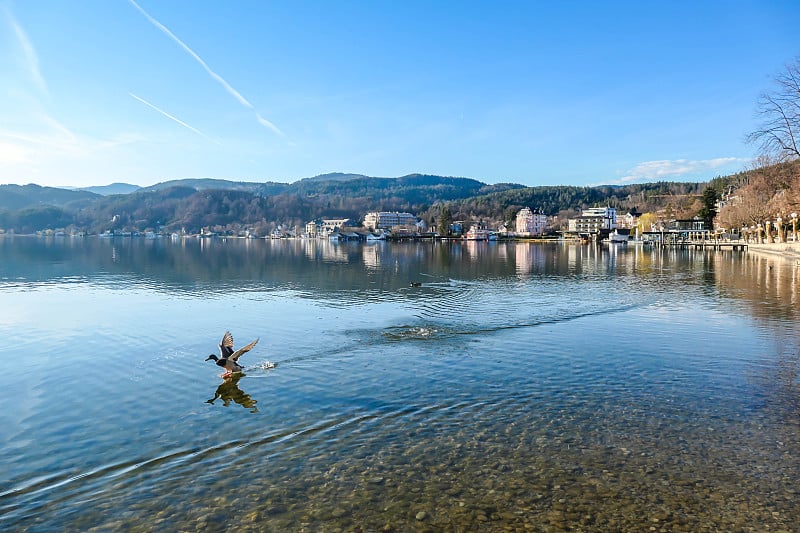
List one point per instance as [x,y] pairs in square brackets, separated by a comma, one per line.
[15,197]
[113,188]
[335,176]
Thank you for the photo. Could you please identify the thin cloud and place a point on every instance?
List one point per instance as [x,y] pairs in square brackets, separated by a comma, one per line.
[55,142]
[31,60]
[675,168]
[266,123]
[227,86]
[179,121]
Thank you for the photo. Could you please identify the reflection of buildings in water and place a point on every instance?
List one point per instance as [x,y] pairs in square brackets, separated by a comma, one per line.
[622,257]
[325,249]
[229,391]
[640,258]
[333,252]
[371,257]
[768,288]
[310,248]
[473,250]
[501,253]
[769,285]
[528,255]
[595,258]
[612,250]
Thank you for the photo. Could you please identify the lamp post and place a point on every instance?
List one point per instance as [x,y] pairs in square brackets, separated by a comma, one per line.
[794,226]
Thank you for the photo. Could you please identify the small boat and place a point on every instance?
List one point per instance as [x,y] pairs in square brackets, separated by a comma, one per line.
[616,238]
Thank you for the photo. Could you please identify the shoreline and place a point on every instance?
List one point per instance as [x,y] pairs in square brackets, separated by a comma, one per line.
[786,250]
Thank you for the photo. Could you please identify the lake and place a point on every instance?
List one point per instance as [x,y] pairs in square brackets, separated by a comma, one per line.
[419,386]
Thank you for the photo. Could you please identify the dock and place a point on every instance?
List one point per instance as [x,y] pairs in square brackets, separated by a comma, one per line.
[701,244]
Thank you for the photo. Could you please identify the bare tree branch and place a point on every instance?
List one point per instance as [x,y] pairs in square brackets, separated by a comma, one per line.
[780,110]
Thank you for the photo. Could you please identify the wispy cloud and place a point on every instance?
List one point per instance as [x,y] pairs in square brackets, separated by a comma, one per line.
[675,168]
[171,117]
[29,56]
[266,123]
[56,139]
[227,86]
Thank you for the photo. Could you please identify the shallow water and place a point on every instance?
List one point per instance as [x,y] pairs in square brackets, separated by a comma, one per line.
[520,387]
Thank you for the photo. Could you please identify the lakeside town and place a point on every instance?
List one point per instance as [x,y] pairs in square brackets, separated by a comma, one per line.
[596,224]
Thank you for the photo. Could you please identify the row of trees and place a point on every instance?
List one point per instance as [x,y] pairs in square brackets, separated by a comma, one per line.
[771,188]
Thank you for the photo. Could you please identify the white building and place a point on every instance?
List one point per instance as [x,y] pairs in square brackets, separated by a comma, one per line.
[324,227]
[388,219]
[629,220]
[594,219]
[530,223]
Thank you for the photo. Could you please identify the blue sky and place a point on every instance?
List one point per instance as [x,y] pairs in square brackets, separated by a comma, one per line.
[533,92]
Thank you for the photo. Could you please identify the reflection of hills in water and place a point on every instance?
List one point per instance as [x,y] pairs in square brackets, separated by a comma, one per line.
[445,275]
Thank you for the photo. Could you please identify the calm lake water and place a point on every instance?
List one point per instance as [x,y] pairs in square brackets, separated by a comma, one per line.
[521,386]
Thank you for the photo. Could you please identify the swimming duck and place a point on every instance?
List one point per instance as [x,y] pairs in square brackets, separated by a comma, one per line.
[228,358]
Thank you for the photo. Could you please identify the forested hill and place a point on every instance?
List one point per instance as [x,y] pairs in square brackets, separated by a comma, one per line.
[230,205]
[14,197]
[681,199]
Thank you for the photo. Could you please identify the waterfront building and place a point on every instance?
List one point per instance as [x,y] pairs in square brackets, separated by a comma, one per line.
[457,227]
[478,232]
[312,229]
[324,227]
[388,219]
[594,220]
[530,222]
[629,220]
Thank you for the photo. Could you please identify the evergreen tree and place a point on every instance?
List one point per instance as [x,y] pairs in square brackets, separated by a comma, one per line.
[709,210]
[445,219]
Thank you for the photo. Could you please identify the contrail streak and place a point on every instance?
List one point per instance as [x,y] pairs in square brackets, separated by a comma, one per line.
[28,52]
[179,121]
[227,86]
[268,124]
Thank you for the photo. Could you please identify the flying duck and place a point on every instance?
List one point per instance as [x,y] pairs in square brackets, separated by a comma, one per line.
[228,358]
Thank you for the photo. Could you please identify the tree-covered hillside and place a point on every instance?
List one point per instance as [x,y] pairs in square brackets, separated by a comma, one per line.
[190,205]
[681,198]
[14,197]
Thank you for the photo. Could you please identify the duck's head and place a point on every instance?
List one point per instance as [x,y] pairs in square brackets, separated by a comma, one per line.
[212,357]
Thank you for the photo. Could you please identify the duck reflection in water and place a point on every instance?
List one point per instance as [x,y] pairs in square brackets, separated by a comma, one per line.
[229,390]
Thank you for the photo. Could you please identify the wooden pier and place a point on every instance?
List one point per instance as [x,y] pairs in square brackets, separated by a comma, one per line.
[702,244]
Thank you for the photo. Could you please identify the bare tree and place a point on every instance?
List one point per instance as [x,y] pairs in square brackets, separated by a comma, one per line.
[779,132]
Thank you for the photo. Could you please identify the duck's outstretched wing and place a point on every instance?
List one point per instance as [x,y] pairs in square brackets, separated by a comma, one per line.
[235,355]
[226,345]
